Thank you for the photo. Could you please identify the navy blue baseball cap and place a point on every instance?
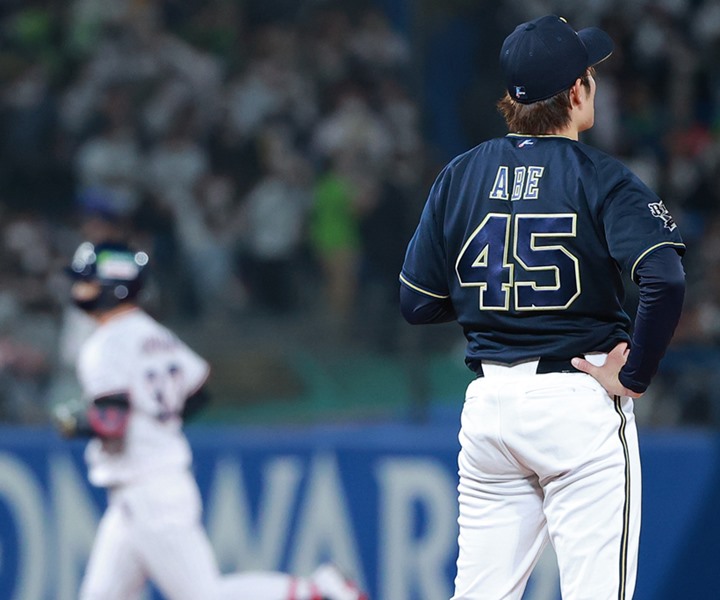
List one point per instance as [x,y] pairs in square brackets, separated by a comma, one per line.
[546,56]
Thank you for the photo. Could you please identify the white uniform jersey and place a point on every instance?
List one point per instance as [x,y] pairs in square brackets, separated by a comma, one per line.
[134,354]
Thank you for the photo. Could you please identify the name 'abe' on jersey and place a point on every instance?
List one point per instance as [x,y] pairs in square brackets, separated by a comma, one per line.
[528,236]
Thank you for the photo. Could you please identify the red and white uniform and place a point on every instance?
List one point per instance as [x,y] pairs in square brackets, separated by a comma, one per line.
[134,354]
[152,528]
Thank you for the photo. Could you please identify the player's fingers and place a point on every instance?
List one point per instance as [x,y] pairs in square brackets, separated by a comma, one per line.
[617,357]
[583,365]
[620,350]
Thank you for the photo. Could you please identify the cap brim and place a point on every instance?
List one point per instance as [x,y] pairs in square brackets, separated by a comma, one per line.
[599,45]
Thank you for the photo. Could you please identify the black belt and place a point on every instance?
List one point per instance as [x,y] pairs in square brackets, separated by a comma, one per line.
[545,365]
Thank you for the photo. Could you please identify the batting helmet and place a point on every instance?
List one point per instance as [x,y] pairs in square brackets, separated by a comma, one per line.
[114,266]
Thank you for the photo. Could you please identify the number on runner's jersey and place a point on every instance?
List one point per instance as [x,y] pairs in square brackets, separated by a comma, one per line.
[165,389]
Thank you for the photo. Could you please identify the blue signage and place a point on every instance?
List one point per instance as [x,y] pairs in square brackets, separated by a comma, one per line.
[380,501]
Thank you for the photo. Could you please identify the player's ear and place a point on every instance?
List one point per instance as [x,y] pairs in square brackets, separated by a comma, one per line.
[578,93]
[575,92]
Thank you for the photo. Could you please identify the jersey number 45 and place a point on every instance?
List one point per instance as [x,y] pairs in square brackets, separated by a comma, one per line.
[489,257]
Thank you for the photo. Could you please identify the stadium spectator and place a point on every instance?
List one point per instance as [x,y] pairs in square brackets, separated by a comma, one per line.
[168,111]
[276,214]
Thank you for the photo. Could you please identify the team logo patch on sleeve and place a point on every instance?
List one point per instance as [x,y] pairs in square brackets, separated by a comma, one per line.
[658,209]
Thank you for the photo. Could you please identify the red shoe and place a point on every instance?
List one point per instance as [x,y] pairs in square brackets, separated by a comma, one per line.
[333,585]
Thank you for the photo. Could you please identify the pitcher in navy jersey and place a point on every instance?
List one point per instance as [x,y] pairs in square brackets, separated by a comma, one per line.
[524,241]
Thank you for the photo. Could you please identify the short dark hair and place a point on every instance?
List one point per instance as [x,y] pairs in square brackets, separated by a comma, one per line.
[543,116]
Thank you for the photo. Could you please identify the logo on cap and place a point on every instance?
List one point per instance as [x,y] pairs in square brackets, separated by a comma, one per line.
[520,91]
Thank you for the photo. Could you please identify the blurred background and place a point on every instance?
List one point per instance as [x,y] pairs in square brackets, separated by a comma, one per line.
[273,157]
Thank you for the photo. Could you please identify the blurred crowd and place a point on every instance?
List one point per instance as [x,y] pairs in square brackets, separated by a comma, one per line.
[272,157]
[262,155]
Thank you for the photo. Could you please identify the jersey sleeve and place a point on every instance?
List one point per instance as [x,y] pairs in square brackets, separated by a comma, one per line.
[425,269]
[636,223]
[661,278]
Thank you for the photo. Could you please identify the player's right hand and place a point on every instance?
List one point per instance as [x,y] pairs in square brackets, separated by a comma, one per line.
[64,420]
[607,374]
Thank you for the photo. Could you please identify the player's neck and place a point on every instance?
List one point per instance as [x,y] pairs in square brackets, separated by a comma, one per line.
[576,124]
[574,129]
[582,112]
[568,132]
[107,315]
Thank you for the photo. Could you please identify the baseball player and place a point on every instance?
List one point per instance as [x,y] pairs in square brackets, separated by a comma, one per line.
[523,240]
[140,383]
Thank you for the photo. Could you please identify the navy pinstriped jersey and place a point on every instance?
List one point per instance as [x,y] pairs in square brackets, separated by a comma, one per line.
[527,236]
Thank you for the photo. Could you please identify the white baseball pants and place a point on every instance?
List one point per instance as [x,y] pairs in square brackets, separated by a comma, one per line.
[546,457]
[152,530]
